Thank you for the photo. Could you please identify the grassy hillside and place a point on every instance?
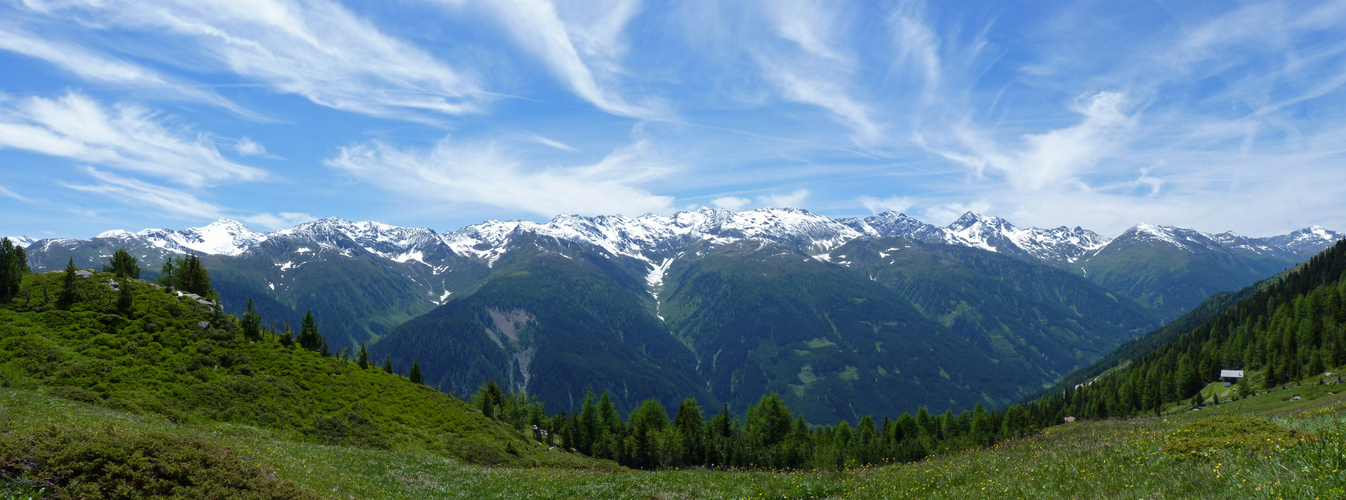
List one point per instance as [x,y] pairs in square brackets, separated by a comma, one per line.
[172,357]
[1180,455]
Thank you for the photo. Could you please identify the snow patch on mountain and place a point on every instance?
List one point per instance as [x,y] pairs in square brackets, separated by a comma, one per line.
[22,241]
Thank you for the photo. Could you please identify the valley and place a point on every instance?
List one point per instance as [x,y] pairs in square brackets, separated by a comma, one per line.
[841,317]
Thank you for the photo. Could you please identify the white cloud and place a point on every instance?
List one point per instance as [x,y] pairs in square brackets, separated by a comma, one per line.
[793,199]
[316,49]
[453,173]
[810,24]
[281,220]
[124,136]
[539,27]
[889,204]
[7,192]
[90,65]
[164,200]
[730,202]
[948,212]
[551,143]
[811,68]
[249,147]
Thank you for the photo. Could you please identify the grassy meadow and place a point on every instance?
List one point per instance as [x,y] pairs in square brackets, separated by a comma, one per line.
[1268,446]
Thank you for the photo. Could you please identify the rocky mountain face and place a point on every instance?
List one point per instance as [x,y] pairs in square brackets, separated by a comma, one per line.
[826,312]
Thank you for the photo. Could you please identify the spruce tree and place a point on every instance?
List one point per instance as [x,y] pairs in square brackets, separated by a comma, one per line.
[309,338]
[363,357]
[252,323]
[123,265]
[68,287]
[167,274]
[191,276]
[388,364]
[13,265]
[415,375]
[125,299]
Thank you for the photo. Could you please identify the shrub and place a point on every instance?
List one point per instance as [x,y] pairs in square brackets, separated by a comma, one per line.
[74,463]
[1225,432]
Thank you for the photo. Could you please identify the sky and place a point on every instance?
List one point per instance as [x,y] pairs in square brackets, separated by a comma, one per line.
[1217,116]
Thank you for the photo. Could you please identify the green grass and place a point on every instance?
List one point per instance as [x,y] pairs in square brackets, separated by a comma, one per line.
[1106,459]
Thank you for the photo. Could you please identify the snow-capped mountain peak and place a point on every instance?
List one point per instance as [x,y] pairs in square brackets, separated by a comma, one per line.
[21,241]
[222,237]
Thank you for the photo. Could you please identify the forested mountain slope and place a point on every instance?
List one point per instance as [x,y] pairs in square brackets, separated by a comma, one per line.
[1284,331]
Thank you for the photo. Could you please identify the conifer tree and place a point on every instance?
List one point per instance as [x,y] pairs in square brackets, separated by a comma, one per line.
[167,274]
[123,265]
[252,323]
[125,300]
[415,374]
[388,364]
[68,287]
[309,338]
[363,357]
[190,276]
[13,265]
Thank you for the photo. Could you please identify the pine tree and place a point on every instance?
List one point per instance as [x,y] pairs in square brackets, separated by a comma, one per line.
[309,338]
[167,274]
[13,265]
[363,357]
[252,323]
[68,287]
[388,364]
[123,265]
[415,375]
[191,276]
[125,300]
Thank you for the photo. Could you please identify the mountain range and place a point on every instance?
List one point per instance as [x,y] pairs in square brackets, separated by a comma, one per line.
[840,316]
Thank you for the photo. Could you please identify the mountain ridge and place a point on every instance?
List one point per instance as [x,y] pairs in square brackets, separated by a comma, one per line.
[653,237]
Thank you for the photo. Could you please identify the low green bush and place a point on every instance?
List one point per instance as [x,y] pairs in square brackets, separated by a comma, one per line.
[75,463]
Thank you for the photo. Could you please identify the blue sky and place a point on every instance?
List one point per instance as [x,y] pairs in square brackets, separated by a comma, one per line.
[442,113]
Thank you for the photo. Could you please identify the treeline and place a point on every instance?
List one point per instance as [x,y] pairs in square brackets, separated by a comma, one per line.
[1290,330]
[767,435]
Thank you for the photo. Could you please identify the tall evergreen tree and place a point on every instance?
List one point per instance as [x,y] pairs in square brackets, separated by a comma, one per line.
[415,375]
[363,357]
[309,338]
[167,274]
[13,265]
[252,323]
[125,299]
[191,276]
[68,287]
[388,364]
[123,265]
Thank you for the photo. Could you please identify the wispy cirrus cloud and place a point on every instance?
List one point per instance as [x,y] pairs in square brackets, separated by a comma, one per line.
[573,39]
[164,200]
[813,67]
[485,173]
[123,136]
[92,66]
[316,49]
[176,203]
